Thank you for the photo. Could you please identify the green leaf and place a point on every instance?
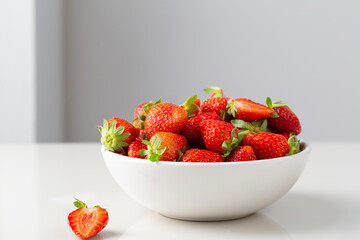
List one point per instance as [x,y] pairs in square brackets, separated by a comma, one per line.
[118,131]
[264,125]
[212,89]
[233,134]
[274,114]
[142,117]
[97,206]
[240,124]
[154,157]
[79,204]
[99,128]
[269,102]
[226,145]
[231,108]
[135,120]
[158,101]
[146,142]
[105,125]
[160,151]
[142,152]
[190,114]
[142,125]
[294,145]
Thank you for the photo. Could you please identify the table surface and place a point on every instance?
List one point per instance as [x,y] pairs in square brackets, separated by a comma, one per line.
[38,182]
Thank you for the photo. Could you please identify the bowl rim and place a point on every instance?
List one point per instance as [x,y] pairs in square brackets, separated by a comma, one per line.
[306,149]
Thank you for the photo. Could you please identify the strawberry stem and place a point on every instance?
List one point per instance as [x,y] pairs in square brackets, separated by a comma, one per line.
[79,204]
[294,145]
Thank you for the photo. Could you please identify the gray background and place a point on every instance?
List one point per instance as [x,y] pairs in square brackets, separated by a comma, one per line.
[113,55]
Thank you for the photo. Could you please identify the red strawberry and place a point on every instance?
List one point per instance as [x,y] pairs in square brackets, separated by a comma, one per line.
[283,119]
[165,117]
[217,105]
[140,113]
[220,136]
[192,106]
[86,222]
[242,153]
[134,147]
[116,134]
[247,110]
[192,127]
[199,155]
[267,145]
[164,146]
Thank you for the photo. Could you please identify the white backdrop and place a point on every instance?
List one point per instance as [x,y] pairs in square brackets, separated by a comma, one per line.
[98,59]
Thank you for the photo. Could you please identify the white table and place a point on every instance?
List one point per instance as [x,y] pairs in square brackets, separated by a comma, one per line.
[37,183]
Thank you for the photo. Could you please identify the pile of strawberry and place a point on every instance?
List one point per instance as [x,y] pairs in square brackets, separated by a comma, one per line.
[221,129]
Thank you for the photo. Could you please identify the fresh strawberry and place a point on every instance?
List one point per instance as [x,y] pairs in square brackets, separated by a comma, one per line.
[116,134]
[192,127]
[247,110]
[192,106]
[199,155]
[134,147]
[86,222]
[140,113]
[283,119]
[164,146]
[165,117]
[217,105]
[270,145]
[220,136]
[241,153]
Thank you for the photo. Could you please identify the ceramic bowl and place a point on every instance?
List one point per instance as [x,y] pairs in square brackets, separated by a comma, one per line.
[206,191]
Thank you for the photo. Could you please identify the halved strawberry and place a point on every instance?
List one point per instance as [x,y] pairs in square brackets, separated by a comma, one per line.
[241,153]
[164,146]
[247,110]
[283,118]
[86,222]
[200,155]
[116,134]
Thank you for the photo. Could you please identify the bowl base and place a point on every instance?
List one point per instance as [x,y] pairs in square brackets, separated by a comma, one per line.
[209,219]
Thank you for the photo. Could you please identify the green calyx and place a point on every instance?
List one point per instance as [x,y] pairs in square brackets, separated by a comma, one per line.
[189,105]
[294,145]
[153,149]
[259,125]
[231,108]
[142,116]
[212,89]
[81,204]
[235,141]
[272,105]
[113,138]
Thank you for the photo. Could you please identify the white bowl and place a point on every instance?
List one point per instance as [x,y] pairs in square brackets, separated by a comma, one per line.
[206,191]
